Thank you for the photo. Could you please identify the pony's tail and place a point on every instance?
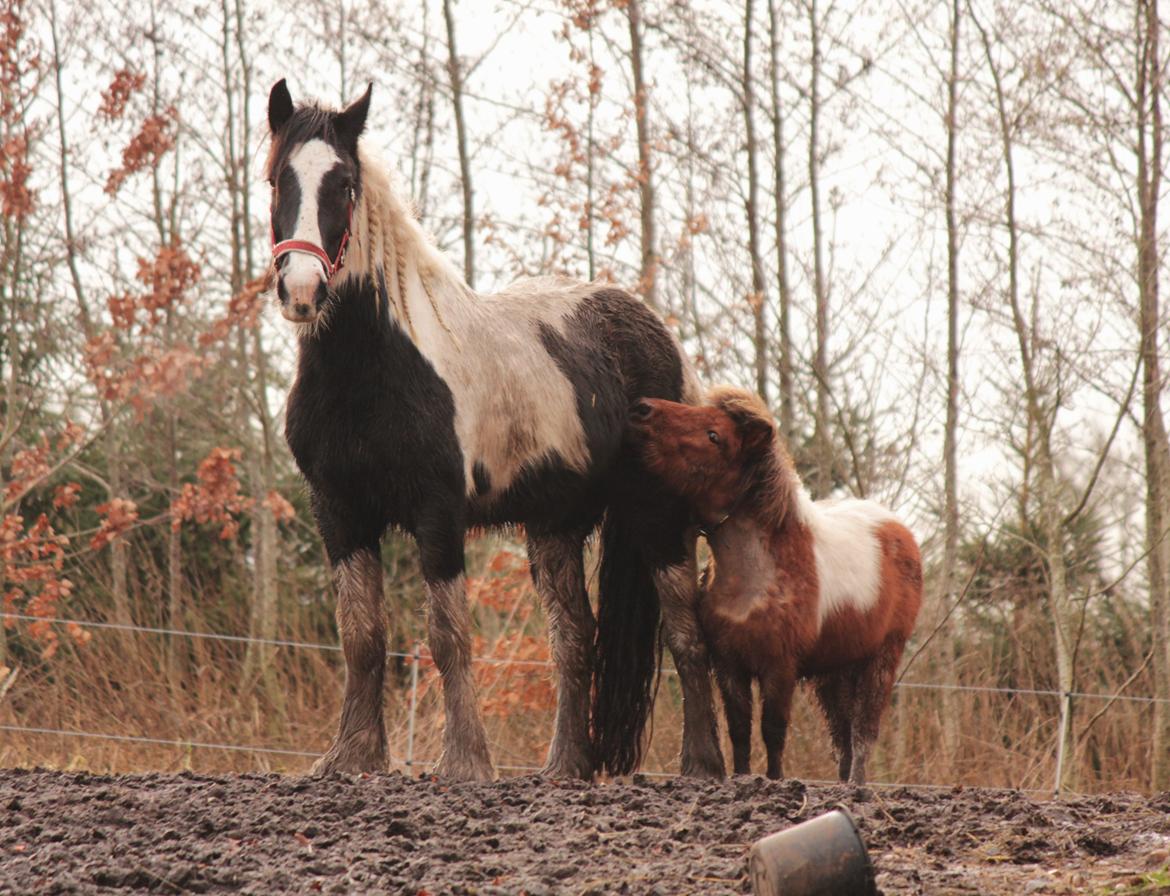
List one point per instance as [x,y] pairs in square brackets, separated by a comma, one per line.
[626,655]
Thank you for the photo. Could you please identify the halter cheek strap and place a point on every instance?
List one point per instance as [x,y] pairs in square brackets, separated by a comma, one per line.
[708,529]
[331,265]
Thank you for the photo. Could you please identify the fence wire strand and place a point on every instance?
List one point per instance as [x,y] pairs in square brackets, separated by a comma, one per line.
[416,657]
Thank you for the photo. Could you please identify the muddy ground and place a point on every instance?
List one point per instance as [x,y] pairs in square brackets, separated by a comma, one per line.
[67,832]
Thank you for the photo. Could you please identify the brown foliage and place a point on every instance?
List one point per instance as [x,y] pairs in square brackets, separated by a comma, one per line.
[17,61]
[118,515]
[145,150]
[115,97]
[16,197]
[216,497]
[243,310]
[33,560]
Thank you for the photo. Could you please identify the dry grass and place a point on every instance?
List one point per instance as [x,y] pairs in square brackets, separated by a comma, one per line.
[103,688]
[116,684]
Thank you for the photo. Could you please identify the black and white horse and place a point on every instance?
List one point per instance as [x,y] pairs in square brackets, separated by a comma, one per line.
[422,405]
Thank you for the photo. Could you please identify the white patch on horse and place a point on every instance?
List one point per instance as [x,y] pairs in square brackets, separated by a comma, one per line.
[311,162]
[847,551]
[513,405]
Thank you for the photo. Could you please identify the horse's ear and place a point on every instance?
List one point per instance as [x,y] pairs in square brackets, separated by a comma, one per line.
[755,433]
[351,121]
[280,106]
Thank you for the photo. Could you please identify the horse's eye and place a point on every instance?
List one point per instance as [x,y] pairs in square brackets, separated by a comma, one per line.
[713,436]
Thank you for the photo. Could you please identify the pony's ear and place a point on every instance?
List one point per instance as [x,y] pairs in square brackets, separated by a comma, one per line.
[351,121]
[280,106]
[755,433]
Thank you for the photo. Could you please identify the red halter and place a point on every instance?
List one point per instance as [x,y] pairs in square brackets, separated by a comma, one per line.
[332,266]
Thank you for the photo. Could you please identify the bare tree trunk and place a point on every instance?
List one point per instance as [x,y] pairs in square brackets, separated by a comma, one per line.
[649,271]
[423,118]
[757,300]
[119,594]
[822,441]
[252,361]
[455,73]
[590,153]
[950,717]
[780,199]
[1041,422]
[1154,437]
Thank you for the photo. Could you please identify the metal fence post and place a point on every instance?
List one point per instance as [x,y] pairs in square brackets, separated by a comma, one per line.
[413,703]
[1062,736]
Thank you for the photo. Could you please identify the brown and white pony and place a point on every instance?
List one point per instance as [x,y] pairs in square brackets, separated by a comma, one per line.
[796,589]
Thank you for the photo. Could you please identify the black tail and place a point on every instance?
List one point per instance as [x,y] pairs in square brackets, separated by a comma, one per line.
[626,657]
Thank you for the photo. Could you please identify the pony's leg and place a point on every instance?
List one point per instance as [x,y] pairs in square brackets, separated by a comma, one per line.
[678,594]
[874,686]
[776,691]
[465,755]
[835,695]
[558,571]
[360,745]
[736,688]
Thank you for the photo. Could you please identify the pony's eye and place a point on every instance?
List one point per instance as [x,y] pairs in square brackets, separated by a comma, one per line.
[713,436]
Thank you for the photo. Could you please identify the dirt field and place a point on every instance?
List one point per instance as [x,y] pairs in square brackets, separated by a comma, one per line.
[66,833]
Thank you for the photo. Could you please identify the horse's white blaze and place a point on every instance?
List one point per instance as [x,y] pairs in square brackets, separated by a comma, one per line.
[847,551]
[311,162]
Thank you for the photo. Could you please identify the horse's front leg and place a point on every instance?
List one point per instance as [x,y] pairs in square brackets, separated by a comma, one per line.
[558,571]
[465,754]
[360,745]
[678,596]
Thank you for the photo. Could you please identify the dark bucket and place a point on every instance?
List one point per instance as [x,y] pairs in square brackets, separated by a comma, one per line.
[821,857]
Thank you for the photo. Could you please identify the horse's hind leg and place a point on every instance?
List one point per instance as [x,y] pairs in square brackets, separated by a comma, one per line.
[465,754]
[558,571]
[360,745]
[677,584]
[735,687]
[874,686]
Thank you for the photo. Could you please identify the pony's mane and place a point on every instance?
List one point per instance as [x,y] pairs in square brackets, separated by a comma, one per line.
[771,482]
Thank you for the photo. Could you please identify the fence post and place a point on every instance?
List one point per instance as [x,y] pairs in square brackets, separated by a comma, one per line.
[1062,736]
[413,704]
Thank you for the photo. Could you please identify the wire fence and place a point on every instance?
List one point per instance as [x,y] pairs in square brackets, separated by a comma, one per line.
[417,658]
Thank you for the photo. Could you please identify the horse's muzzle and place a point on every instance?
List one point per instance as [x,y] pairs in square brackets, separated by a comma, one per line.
[300,302]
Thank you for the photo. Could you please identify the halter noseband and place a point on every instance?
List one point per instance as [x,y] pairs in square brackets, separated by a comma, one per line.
[331,266]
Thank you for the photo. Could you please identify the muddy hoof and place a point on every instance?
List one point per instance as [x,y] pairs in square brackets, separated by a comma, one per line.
[710,768]
[331,762]
[566,768]
[356,755]
[464,769]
